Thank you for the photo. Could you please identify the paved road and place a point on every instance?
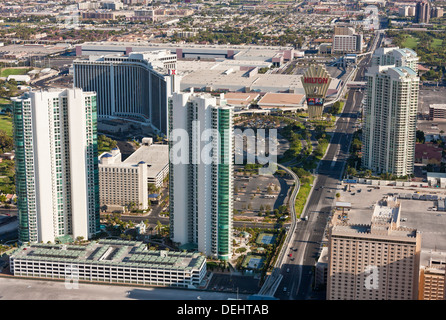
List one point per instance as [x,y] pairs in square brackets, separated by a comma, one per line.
[297,269]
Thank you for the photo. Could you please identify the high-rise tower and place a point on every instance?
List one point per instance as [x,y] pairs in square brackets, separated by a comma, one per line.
[135,86]
[201,173]
[422,12]
[390,115]
[56,165]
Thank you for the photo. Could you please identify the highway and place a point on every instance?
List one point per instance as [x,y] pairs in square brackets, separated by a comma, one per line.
[305,243]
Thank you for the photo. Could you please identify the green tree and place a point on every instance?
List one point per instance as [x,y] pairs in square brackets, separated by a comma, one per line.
[351,171]
[159,227]
[420,136]
[6,142]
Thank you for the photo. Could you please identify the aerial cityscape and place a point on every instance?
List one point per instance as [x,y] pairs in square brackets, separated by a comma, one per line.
[249,150]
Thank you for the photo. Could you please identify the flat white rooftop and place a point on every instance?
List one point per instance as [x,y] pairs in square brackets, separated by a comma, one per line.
[438,106]
[156,156]
[415,214]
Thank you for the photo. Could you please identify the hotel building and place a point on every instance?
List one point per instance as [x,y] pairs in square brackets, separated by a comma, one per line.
[135,86]
[201,190]
[346,40]
[432,275]
[376,261]
[122,183]
[56,165]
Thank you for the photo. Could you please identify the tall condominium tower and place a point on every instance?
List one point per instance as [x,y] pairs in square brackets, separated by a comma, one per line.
[56,165]
[135,86]
[376,261]
[390,115]
[201,173]
[394,56]
[422,12]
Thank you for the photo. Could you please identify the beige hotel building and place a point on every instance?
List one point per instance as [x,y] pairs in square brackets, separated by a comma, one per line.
[122,183]
[432,275]
[376,261]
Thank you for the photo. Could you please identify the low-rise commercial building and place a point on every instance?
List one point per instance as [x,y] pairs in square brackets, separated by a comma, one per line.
[437,112]
[282,101]
[436,179]
[241,100]
[428,153]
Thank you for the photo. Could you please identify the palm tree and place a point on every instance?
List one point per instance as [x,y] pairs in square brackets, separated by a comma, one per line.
[159,227]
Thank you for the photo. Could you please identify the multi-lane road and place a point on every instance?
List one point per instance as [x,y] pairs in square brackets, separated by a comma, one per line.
[305,244]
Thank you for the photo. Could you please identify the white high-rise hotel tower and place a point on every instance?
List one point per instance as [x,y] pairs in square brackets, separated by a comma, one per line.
[135,86]
[201,173]
[390,112]
[56,165]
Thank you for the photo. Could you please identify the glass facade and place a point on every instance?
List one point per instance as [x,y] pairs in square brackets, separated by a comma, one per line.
[201,189]
[225,184]
[24,179]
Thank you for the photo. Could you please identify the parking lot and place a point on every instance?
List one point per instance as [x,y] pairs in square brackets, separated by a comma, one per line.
[428,96]
[260,191]
[418,213]
[230,282]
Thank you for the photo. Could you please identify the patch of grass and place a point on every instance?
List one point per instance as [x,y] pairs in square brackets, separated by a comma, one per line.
[6,124]
[302,196]
[436,43]
[4,101]
[410,42]
[7,172]
[13,71]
